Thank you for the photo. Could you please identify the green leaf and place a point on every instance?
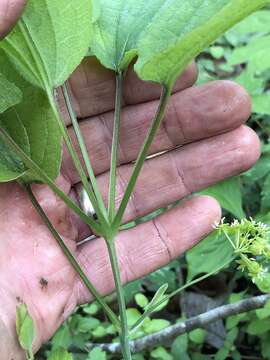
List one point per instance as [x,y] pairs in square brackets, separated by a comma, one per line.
[25,328]
[217,51]
[155,325]
[265,195]
[261,103]
[133,315]
[256,23]
[208,255]
[32,125]
[96,354]
[11,167]
[228,194]
[87,324]
[161,353]
[60,354]
[260,170]
[256,53]
[165,35]
[257,327]
[62,339]
[265,312]
[10,95]
[180,348]
[141,300]
[222,354]
[50,40]
[159,295]
[177,34]
[264,283]
[198,336]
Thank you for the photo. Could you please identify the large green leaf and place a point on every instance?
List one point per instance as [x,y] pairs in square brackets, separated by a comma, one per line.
[208,255]
[50,40]
[11,167]
[32,125]
[164,34]
[228,194]
[10,95]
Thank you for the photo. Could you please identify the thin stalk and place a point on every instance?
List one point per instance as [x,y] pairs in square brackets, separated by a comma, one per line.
[42,176]
[84,152]
[115,143]
[47,82]
[30,355]
[124,333]
[71,258]
[165,96]
[76,161]
[137,325]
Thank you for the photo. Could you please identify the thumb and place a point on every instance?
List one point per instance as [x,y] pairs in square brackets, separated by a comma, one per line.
[10,11]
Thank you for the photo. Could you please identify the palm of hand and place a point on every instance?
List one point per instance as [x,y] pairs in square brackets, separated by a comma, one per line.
[208,118]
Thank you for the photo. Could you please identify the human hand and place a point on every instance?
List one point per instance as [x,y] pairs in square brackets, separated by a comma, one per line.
[206,121]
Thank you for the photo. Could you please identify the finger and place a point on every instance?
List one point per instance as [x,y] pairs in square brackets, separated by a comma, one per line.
[193,114]
[149,246]
[10,10]
[178,173]
[93,88]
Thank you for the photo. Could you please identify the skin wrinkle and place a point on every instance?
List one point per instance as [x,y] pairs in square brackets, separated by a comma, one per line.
[161,238]
[206,122]
[200,164]
[181,176]
[122,184]
[178,119]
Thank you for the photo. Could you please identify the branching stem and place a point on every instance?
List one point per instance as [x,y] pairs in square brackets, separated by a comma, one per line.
[84,152]
[76,161]
[124,333]
[115,144]
[42,176]
[137,325]
[71,258]
[165,96]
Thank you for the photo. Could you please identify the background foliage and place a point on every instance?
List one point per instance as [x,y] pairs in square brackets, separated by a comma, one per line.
[242,55]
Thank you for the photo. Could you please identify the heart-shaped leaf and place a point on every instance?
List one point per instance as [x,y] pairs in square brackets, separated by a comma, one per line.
[165,35]
[31,124]
[10,95]
[50,40]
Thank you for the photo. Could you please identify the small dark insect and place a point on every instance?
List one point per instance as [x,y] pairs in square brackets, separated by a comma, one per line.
[43,282]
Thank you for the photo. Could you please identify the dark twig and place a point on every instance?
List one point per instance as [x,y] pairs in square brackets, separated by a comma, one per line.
[195,322]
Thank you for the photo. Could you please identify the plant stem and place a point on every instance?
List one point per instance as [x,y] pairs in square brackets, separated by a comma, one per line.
[124,333]
[76,160]
[84,152]
[165,96]
[30,355]
[42,176]
[47,84]
[115,143]
[182,288]
[72,260]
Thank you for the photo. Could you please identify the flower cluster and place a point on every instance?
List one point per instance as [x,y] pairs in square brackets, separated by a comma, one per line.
[251,243]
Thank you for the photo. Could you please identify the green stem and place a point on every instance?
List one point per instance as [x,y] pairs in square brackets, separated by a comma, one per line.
[72,260]
[42,176]
[76,161]
[124,333]
[182,288]
[165,96]
[115,143]
[30,355]
[47,83]
[84,152]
